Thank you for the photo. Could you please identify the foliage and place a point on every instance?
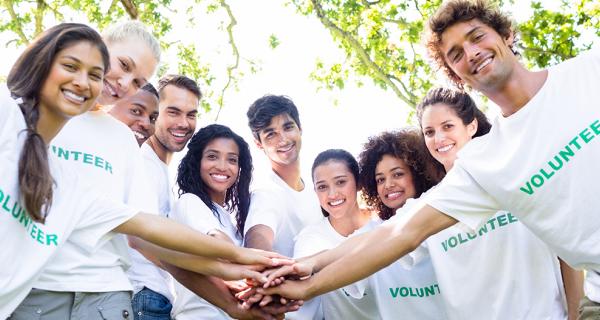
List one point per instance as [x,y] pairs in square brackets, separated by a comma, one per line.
[382,39]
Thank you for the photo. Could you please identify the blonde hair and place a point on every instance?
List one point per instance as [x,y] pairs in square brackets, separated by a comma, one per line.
[132,29]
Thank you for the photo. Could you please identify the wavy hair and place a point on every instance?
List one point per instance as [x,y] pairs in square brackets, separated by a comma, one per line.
[237,196]
[25,81]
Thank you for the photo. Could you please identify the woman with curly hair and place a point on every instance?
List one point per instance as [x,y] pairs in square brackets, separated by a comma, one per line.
[214,180]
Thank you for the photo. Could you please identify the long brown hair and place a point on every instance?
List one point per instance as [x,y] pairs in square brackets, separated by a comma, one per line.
[25,81]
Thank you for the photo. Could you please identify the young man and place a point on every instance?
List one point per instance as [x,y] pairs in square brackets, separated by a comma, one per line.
[138,112]
[283,205]
[538,161]
[175,124]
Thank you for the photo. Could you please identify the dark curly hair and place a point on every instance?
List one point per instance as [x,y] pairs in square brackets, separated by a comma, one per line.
[338,155]
[188,173]
[461,103]
[455,11]
[407,145]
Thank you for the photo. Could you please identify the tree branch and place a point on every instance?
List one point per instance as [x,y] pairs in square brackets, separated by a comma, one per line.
[39,16]
[8,4]
[236,54]
[362,54]
[130,8]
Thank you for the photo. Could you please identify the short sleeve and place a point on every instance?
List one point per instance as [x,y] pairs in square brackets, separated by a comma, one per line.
[191,211]
[462,198]
[139,191]
[265,209]
[98,216]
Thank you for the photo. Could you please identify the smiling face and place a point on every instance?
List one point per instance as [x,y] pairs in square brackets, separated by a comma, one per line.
[139,113]
[219,167]
[478,55]
[394,182]
[73,83]
[176,121]
[336,188]
[281,140]
[445,133]
[131,65]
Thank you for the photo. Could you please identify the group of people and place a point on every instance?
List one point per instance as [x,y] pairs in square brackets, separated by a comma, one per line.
[464,218]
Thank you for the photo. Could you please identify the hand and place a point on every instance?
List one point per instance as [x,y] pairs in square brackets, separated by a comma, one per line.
[237,286]
[232,271]
[290,289]
[300,270]
[274,311]
[261,257]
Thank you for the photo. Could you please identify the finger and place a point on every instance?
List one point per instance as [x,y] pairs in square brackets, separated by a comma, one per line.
[255,298]
[265,301]
[245,294]
[256,276]
[278,273]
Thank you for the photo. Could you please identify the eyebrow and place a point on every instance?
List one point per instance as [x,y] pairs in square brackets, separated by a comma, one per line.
[392,169]
[79,61]
[468,34]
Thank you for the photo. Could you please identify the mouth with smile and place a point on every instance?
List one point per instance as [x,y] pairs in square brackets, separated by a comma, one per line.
[395,195]
[445,148]
[110,90]
[286,148]
[180,136]
[219,177]
[482,63]
[74,97]
[336,203]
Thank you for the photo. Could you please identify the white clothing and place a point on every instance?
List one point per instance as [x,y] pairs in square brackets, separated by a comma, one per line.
[284,210]
[103,151]
[191,211]
[336,304]
[144,273]
[540,164]
[591,285]
[78,214]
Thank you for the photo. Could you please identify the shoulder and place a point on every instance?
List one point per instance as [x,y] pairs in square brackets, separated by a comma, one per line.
[316,229]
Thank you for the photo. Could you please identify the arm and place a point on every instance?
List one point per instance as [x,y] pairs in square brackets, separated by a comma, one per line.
[260,237]
[573,282]
[364,255]
[171,235]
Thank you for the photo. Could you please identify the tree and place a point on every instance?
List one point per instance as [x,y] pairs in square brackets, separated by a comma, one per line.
[25,19]
[382,39]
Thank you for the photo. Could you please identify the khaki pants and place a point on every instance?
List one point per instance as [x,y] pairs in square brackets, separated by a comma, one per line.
[52,305]
[588,309]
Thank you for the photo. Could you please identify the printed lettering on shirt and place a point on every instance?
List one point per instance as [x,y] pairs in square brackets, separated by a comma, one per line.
[17,212]
[86,158]
[561,159]
[492,224]
[407,292]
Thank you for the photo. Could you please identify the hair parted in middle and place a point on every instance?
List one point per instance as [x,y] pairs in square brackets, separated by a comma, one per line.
[237,196]
[407,145]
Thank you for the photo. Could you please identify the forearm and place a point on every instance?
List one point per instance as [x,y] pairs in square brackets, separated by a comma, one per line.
[171,235]
[376,250]
[211,289]
[573,283]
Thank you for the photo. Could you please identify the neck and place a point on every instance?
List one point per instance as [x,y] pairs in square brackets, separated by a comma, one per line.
[290,174]
[218,198]
[351,221]
[518,90]
[49,125]
[163,153]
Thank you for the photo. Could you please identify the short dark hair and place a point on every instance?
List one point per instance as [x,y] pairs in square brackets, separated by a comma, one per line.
[25,81]
[179,81]
[148,87]
[407,145]
[337,155]
[455,11]
[237,196]
[265,108]
[461,103]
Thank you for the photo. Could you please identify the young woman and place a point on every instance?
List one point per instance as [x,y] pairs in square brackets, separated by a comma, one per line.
[214,180]
[44,205]
[393,168]
[520,276]
[335,179]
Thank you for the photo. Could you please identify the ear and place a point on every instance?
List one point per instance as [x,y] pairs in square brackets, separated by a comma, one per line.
[510,39]
[258,144]
[472,127]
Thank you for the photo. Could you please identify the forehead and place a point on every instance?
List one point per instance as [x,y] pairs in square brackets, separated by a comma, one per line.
[438,112]
[280,120]
[389,162]
[183,99]
[459,31]
[222,145]
[138,51]
[85,52]
[330,169]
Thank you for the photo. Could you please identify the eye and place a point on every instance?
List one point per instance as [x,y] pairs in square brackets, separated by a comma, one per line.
[69,67]
[211,156]
[428,133]
[398,174]
[379,180]
[456,56]
[136,111]
[321,187]
[137,83]
[233,160]
[192,116]
[124,65]
[478,36]
[270,135]
[289,127]
[340,182]
[96,76]
[172,113]
[448,126]
[153,118]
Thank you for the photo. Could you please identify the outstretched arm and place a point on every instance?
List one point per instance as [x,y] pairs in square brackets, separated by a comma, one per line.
[573,282]
[364,255]
[172,235]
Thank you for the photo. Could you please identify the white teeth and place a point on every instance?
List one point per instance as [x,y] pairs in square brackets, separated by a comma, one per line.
[445,148]
[139,135]
[286,148]
[483,64]
[393,195]
[336,202]
[110,89]
[219,177]
[179,135]
[73,96]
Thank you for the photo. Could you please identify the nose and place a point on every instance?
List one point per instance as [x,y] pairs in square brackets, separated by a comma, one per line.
[222,164]
[125,83]
[82,81]
[472,51]
[439,136]
[144,123]
[389,183]
[331,193]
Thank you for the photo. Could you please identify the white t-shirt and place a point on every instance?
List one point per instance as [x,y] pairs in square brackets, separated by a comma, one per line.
[78,213]
[103,151]
[144,273]
[191,211]
[540,164]
[502,264]
[284,210]
[336,304]
[400,292]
